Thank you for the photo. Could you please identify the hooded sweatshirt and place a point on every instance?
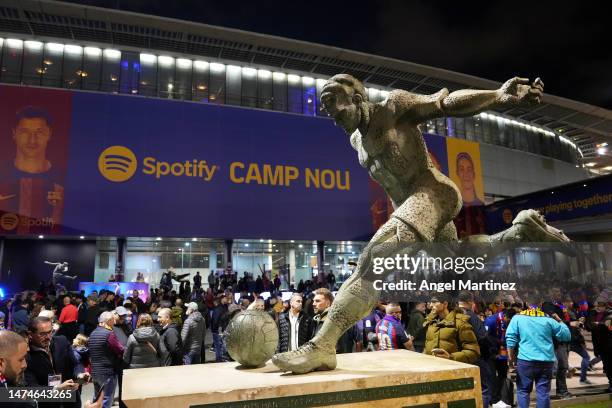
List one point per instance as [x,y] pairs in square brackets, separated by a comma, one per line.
[142,348]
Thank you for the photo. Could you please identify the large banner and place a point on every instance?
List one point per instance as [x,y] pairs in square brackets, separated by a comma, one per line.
[466,171]
[587,198]
[77,163]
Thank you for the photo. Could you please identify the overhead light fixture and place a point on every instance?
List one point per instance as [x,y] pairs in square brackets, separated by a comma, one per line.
[194,239]
[308,81]
[215,67]
[200,65]
[165,60]
[41,236]
[158,239]
[183,63]
[14,43]
[82,237]
[92,51]
[73,49]
[112,54]
[249,72]
[55,47]
[264,74]
[147,58]
[33,45]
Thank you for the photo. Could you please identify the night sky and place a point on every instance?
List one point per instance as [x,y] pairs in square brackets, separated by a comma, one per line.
[567,44]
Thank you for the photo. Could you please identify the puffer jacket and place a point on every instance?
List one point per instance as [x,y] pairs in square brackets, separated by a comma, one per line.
[142,348]
[453,334]
[192,333]
[305,324]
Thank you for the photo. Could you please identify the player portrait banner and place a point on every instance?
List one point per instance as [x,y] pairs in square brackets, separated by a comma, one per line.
[79,163]
[464,168]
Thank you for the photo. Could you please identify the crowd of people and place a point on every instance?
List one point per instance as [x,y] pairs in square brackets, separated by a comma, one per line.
[77,339]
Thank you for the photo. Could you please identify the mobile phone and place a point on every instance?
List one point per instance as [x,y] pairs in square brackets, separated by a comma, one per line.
[102,386]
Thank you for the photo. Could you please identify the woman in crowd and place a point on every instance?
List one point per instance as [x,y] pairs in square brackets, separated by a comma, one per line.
[142,349]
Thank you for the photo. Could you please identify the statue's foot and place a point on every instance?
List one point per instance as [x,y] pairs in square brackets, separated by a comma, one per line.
[305,359]
[530,226]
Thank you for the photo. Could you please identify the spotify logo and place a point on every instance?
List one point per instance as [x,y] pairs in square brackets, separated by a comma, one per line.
[9,221]
[117,163]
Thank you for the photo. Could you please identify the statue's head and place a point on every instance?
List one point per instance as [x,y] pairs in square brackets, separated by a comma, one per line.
[343,97]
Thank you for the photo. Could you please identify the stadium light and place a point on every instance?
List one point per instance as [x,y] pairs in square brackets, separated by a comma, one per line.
[14,43]
[200,65]
[264,74]
[93,51]
[165,60]
[215,67]
[55,47]
[73,49]
[147,58]
[112,54]
[183,63]
[33,45]
[249,72]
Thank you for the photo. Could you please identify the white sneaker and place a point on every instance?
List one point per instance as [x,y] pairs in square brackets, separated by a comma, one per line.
[501,404]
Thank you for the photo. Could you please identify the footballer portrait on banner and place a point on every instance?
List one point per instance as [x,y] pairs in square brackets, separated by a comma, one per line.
[34,128]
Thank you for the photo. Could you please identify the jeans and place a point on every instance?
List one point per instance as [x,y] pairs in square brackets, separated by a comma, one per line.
[192,357]
[581,350]
[562,352]
[528,373]
[109,390]
[219,345]
[486,381]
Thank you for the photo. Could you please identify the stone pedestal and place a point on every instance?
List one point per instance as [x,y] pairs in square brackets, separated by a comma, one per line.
[377,379]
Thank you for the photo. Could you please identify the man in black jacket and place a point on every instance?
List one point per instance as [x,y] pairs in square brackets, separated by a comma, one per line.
[51,356]
[294,326]
[169,340]
[217,326]
[82,312]
[91,315]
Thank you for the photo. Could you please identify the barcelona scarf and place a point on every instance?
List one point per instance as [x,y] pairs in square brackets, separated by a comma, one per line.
[533,312]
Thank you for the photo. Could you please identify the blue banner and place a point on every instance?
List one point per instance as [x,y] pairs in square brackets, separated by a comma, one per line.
[116,165]
[583,199]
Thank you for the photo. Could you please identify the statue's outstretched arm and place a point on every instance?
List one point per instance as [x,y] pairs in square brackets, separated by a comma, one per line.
[53,263]
[514,92]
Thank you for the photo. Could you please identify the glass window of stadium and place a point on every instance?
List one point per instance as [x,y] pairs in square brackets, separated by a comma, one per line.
[32,62]
[82,67]
[152,257]
[12,51]
[293,261]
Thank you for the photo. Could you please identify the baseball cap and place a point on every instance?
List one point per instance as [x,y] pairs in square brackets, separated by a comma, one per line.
[192,306]
[121,311]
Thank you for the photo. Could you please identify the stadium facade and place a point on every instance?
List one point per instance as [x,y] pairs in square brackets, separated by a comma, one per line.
[193,146]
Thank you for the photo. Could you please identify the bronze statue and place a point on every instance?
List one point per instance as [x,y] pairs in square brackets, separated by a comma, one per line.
[390,146]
